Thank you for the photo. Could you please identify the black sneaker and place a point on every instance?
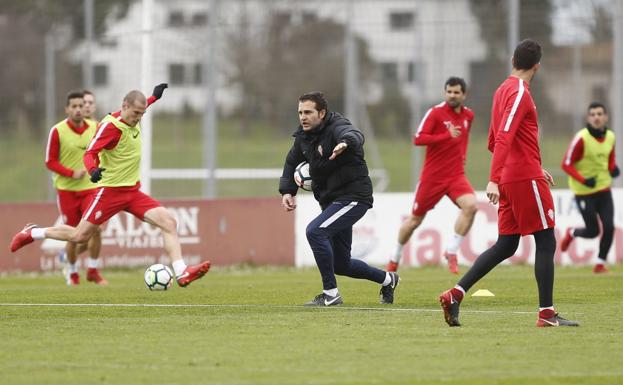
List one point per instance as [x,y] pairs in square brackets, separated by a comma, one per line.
[323,299]
[387,292]
[450,308]
[556,320]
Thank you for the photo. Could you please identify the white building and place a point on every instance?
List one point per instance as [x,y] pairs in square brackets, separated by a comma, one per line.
[425,41]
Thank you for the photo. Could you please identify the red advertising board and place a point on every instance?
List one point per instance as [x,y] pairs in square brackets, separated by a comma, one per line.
[226,232]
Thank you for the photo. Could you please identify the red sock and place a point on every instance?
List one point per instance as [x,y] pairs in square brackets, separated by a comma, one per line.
[457,294]
[547,313]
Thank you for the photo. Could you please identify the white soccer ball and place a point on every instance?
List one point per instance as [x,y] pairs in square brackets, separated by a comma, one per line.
[158,277]
[302,177]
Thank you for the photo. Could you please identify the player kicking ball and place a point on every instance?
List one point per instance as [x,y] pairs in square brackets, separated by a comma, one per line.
[520,186]
[113,161]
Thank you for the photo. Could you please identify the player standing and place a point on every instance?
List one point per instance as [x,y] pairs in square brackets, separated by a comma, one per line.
[67,142]
[333,147]
[113,160]
[444,131]
[520,186]
[591,165]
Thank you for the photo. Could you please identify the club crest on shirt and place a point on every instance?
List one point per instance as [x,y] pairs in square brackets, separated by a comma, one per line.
[449,125]
[320,149]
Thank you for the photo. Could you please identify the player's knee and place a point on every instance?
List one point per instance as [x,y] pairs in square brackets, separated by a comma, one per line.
[340,268]
[506,245]
[97,232]
[312,232]
[80,237]
[591,232]
[169,223]
[470,209]
[414,221]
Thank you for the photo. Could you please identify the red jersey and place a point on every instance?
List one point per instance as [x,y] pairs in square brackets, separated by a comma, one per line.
[445,155]
[514,134]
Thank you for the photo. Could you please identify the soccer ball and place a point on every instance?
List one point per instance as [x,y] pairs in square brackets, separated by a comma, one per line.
[158,277]
[302,177]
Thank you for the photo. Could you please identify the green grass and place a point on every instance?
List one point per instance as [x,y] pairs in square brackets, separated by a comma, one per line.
[177,143]
[254,331]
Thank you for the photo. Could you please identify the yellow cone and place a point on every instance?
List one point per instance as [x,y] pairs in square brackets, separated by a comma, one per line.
[483,293]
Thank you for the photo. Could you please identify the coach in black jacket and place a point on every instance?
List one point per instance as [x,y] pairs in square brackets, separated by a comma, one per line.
[341,184]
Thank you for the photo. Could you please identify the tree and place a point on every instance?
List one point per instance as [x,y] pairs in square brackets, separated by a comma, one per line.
[22,59]
[273,68]
[534,23]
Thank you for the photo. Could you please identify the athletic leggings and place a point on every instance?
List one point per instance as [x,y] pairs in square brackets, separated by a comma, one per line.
[591,207]
[504,248]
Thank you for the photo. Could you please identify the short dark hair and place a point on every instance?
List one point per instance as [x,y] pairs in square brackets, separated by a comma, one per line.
[456,81]
[318,98]
[87,92]
[527,54]
[135,96]
[597,105]
[74,95]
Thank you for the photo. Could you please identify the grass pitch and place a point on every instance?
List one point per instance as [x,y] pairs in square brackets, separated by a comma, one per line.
[246,326]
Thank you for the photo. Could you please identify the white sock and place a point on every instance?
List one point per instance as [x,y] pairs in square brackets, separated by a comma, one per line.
[331,292]
[92,263]
[460,288]
[388,279]
[453,245]
[178,267]
[398,254]
[546,308]
[72,268]
[38,232]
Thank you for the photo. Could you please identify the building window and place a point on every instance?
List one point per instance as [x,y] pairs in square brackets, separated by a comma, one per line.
[401,21]
[100,75]
[389,71]
[600,94]
[176,18]
[309,17]
[283,18]
[176,73]
[415,72]
[199,19]
[197,74]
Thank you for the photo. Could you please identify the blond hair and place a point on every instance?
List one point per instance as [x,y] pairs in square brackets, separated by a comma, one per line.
[134,96]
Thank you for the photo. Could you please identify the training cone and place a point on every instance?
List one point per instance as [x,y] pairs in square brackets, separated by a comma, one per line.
[483,293]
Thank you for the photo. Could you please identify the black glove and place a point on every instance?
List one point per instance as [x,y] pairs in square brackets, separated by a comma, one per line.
[159,89]
[96,174]
[616,172]
[588,182]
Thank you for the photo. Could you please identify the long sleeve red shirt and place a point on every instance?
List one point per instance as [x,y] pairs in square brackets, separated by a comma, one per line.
[513,134]
[445,155]
[106,137]
[53,149]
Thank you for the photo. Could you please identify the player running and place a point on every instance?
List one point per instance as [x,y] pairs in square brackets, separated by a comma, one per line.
[113,160]
[521,187]
[591,165]
[445,133]
[67,142]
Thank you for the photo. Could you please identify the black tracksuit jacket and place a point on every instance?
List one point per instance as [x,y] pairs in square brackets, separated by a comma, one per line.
[344,178]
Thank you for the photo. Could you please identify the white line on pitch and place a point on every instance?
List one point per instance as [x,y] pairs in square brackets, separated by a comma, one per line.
[166,305]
